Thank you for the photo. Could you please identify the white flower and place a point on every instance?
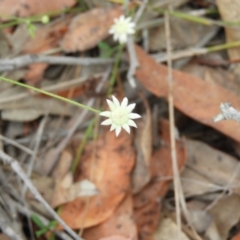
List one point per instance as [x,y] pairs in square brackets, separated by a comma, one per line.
[120,115]
[121,28]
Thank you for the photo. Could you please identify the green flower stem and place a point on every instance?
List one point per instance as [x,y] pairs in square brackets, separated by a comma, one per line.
[223,46]
[192,18]
[87,133]
[48,94]
[200,20]
[115,69]
[9,24]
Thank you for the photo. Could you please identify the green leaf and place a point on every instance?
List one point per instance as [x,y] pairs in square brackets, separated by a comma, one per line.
[106,50]
[37,221]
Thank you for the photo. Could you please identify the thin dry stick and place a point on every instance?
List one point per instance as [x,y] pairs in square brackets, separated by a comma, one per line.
[35,151]
[8,230]
[19,171]
[25,60]
[225,188]
[16,144]
[176,177]
[140,11]
[133,61]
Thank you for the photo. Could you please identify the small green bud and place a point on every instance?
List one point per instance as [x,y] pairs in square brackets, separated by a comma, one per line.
[45,19]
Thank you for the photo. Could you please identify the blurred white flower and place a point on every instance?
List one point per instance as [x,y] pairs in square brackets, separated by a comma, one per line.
[120,115]
[121,28]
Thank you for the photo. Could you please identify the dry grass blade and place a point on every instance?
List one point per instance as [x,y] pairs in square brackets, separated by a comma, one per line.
[176,176]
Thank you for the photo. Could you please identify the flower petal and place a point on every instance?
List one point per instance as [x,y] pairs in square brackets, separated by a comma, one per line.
[123,38]
[124,103]
[118,130]
[105,114]
[132,25]
[131,31]
[115,37]
[111,30]
[131,123]
[107,122]
[113,127]
[115,102]
[134,115]
[126,127]
[122,18]
[128,19]
[130,107]
[110,104]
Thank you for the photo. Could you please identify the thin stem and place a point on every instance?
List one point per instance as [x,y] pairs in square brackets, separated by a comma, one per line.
[48,94]
[8,24]
[115,68]
[223,46]
[201,20]
[176,177]
[81,146]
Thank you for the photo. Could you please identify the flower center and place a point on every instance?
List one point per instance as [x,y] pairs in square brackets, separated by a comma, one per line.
[122,27]
[120,116]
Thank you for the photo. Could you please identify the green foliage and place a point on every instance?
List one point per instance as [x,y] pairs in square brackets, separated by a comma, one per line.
[38,90]
[106,50]
[42,228]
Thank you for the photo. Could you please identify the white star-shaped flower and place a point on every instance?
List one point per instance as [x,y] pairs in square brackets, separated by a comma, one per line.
[120,115]
[121,28]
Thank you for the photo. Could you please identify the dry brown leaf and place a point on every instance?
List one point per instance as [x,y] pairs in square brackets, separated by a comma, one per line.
[236,237]
[194,97]
[115,237]
[212,232]
[5,237]
[220,76]
[25,8]
[198,216]
[120,223]
[35,73]
[88,28]
[184,34]
[65,189]
[208,169]
[111,169]
[45,38]
[31,108]
[45,186]
[146,206]
[231,13]
[63,165]
[225,215]
[143,142]
[167,230]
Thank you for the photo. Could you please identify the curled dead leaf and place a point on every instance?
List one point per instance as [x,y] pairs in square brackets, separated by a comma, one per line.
[88,28]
